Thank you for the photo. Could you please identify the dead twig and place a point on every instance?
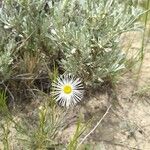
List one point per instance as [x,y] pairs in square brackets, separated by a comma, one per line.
[98,123]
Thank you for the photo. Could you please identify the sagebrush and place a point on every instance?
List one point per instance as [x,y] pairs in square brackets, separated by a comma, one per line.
[81,37]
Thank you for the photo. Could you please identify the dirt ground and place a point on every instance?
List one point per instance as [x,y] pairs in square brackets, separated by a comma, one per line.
[127,127]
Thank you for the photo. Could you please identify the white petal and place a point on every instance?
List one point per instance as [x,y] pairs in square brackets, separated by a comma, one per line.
[68,99]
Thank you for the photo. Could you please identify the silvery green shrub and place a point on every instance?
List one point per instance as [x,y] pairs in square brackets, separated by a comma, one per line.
[23,26]
[88,34]
[82,35]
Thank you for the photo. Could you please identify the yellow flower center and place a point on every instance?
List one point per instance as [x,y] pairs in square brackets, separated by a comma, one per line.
[67,89]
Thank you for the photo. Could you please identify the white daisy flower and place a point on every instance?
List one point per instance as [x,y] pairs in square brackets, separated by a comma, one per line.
[68,90]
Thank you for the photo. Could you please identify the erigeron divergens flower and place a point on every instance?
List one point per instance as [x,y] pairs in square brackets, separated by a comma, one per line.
[68,90]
